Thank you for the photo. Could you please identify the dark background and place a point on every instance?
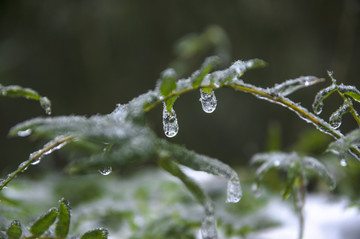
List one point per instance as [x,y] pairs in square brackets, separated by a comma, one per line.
[87,56]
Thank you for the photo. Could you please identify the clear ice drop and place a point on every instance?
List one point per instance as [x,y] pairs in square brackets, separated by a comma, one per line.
[170,123]
[105,171]
[24,133]
[208,101]
[336,118]
[234,192]
[343,162]
[208,228]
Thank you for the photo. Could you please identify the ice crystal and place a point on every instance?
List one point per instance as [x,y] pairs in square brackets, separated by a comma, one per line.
[170,123]
[208,101]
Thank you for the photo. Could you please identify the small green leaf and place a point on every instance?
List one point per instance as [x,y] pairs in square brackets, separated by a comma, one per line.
[255,63]
[42,224]
[99,233]
[207,90]
[289,186]
[205,69]
[167,83]
[353,95]
[170,102]
[18,91]
[14,231]
[63,223]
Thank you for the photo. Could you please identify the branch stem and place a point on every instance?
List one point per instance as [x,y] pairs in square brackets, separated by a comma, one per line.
[24,165]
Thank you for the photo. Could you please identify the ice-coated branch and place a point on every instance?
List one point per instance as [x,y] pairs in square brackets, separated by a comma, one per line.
[35,157]
[208,229]
[206,164]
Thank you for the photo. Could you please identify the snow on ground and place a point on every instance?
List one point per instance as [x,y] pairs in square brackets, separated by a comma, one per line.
[324,219]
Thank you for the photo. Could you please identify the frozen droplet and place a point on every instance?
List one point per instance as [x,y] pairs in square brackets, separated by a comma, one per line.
[23,166]
[317,108]
[54,144]
[106,170]
[170,123]
[208,228]
[234,191]
[208,101]
[48,148]
[335,122]
[36,161]
[46,105]
[336,118]
[2,183]
[343,162]
[24,133]
[318,103]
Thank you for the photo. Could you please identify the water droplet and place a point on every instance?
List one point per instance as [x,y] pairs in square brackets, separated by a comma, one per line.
[335,122]
[24,166]
[343,163]
[277,163]
[106,170]
[36,161]
[336,118]
[24,133]
[234,192]
[318,103]
[2,182]
[208,228]
[46,105]
[318,108]
[208,101]
[170,123]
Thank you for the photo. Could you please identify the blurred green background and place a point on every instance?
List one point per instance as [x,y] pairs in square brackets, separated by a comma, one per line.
[87,56]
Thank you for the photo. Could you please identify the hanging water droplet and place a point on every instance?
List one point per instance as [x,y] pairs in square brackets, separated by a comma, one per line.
[2,183]
[170,123]
[277,163]
[46,105]
[106,170]
[336,118]
[208,101]
[208,228]
[318,103]
[343,162]
[36,161]
[317,108]
[234,192]
[24,133]
[24,166]
[335,122]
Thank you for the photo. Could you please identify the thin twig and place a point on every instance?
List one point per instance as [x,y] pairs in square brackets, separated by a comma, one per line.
[24,165]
